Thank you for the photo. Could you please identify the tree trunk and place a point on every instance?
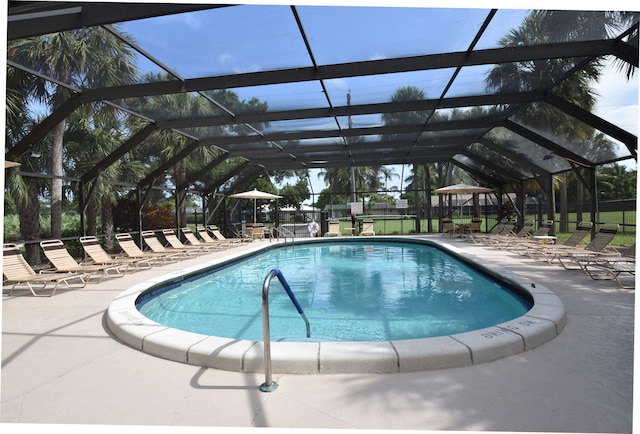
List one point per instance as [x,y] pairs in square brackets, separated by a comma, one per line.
[427,197]
[579,199]
[440,183]
[564,211]
[57,141]
[92,216]
[181,212]
[416,197]
[56,183]
[476,205]
[107,224]
[30,222]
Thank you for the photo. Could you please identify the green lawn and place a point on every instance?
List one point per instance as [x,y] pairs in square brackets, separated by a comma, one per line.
[626,236]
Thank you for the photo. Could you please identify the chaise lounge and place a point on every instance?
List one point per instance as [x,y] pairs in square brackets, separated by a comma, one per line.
[334,229]
[131,249]
[608,267]
[62,261]
[573,259]
[543,252]
[211,243]
[99,256]
[152,241]
[17,272]
[367,228]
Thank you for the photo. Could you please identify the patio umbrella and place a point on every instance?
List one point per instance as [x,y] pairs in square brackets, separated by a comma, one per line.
[8,164]
[462,189]
[255,195]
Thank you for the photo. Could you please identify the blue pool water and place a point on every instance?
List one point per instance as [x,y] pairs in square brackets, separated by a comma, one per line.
[350,291]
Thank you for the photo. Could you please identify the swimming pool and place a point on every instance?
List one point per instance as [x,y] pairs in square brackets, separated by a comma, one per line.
[368,290]
[542,322]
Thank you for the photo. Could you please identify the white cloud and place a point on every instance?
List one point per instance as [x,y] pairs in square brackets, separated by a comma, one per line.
[337,83]
[618,99]
[625,117]
[615,84]
[224,58]
[247,68]
[189,20]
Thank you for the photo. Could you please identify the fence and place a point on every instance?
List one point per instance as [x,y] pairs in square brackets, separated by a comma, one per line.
[389,220]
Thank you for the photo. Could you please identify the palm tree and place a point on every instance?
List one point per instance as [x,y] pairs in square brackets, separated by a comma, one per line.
[422,176]
[163,145]
[616,182]
[552,26]
[87,57]
[567,25]
[24,194]
[367,178]
[104,135]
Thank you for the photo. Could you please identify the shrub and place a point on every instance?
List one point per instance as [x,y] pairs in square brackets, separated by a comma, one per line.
[159,217]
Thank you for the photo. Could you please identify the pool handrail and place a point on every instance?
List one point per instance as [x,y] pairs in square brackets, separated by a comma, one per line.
[281,230]
[269,385]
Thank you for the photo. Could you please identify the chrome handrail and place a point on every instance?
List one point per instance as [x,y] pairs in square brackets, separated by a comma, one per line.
[286,232]
[269,385]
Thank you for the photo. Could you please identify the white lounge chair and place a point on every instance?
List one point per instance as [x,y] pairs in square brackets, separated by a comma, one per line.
[131,249]
[218,236]
[151,240]
[176,244]
[544,252]
[574,259]
[367,228]
[17,272]
[62,261]
[334,229]
[211,244]
[99,256]
[608,267]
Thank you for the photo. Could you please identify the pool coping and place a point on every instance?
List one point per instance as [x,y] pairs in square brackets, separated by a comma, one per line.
[544,321]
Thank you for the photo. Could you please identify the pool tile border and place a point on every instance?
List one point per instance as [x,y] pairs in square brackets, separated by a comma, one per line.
[542,323]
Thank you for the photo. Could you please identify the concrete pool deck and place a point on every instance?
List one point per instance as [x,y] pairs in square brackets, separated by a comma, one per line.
[60,365]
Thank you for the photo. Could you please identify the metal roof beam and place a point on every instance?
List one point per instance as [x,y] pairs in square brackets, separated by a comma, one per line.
[503,172]
[546,143]
[627,52]
[44,127]
[40,18]
[353,110]
[630,140]
[361,158]
[127,146]
[513,156]
[431,143]
[225,177]
[358,69]
[207,168]
[149,179]
[223,141]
